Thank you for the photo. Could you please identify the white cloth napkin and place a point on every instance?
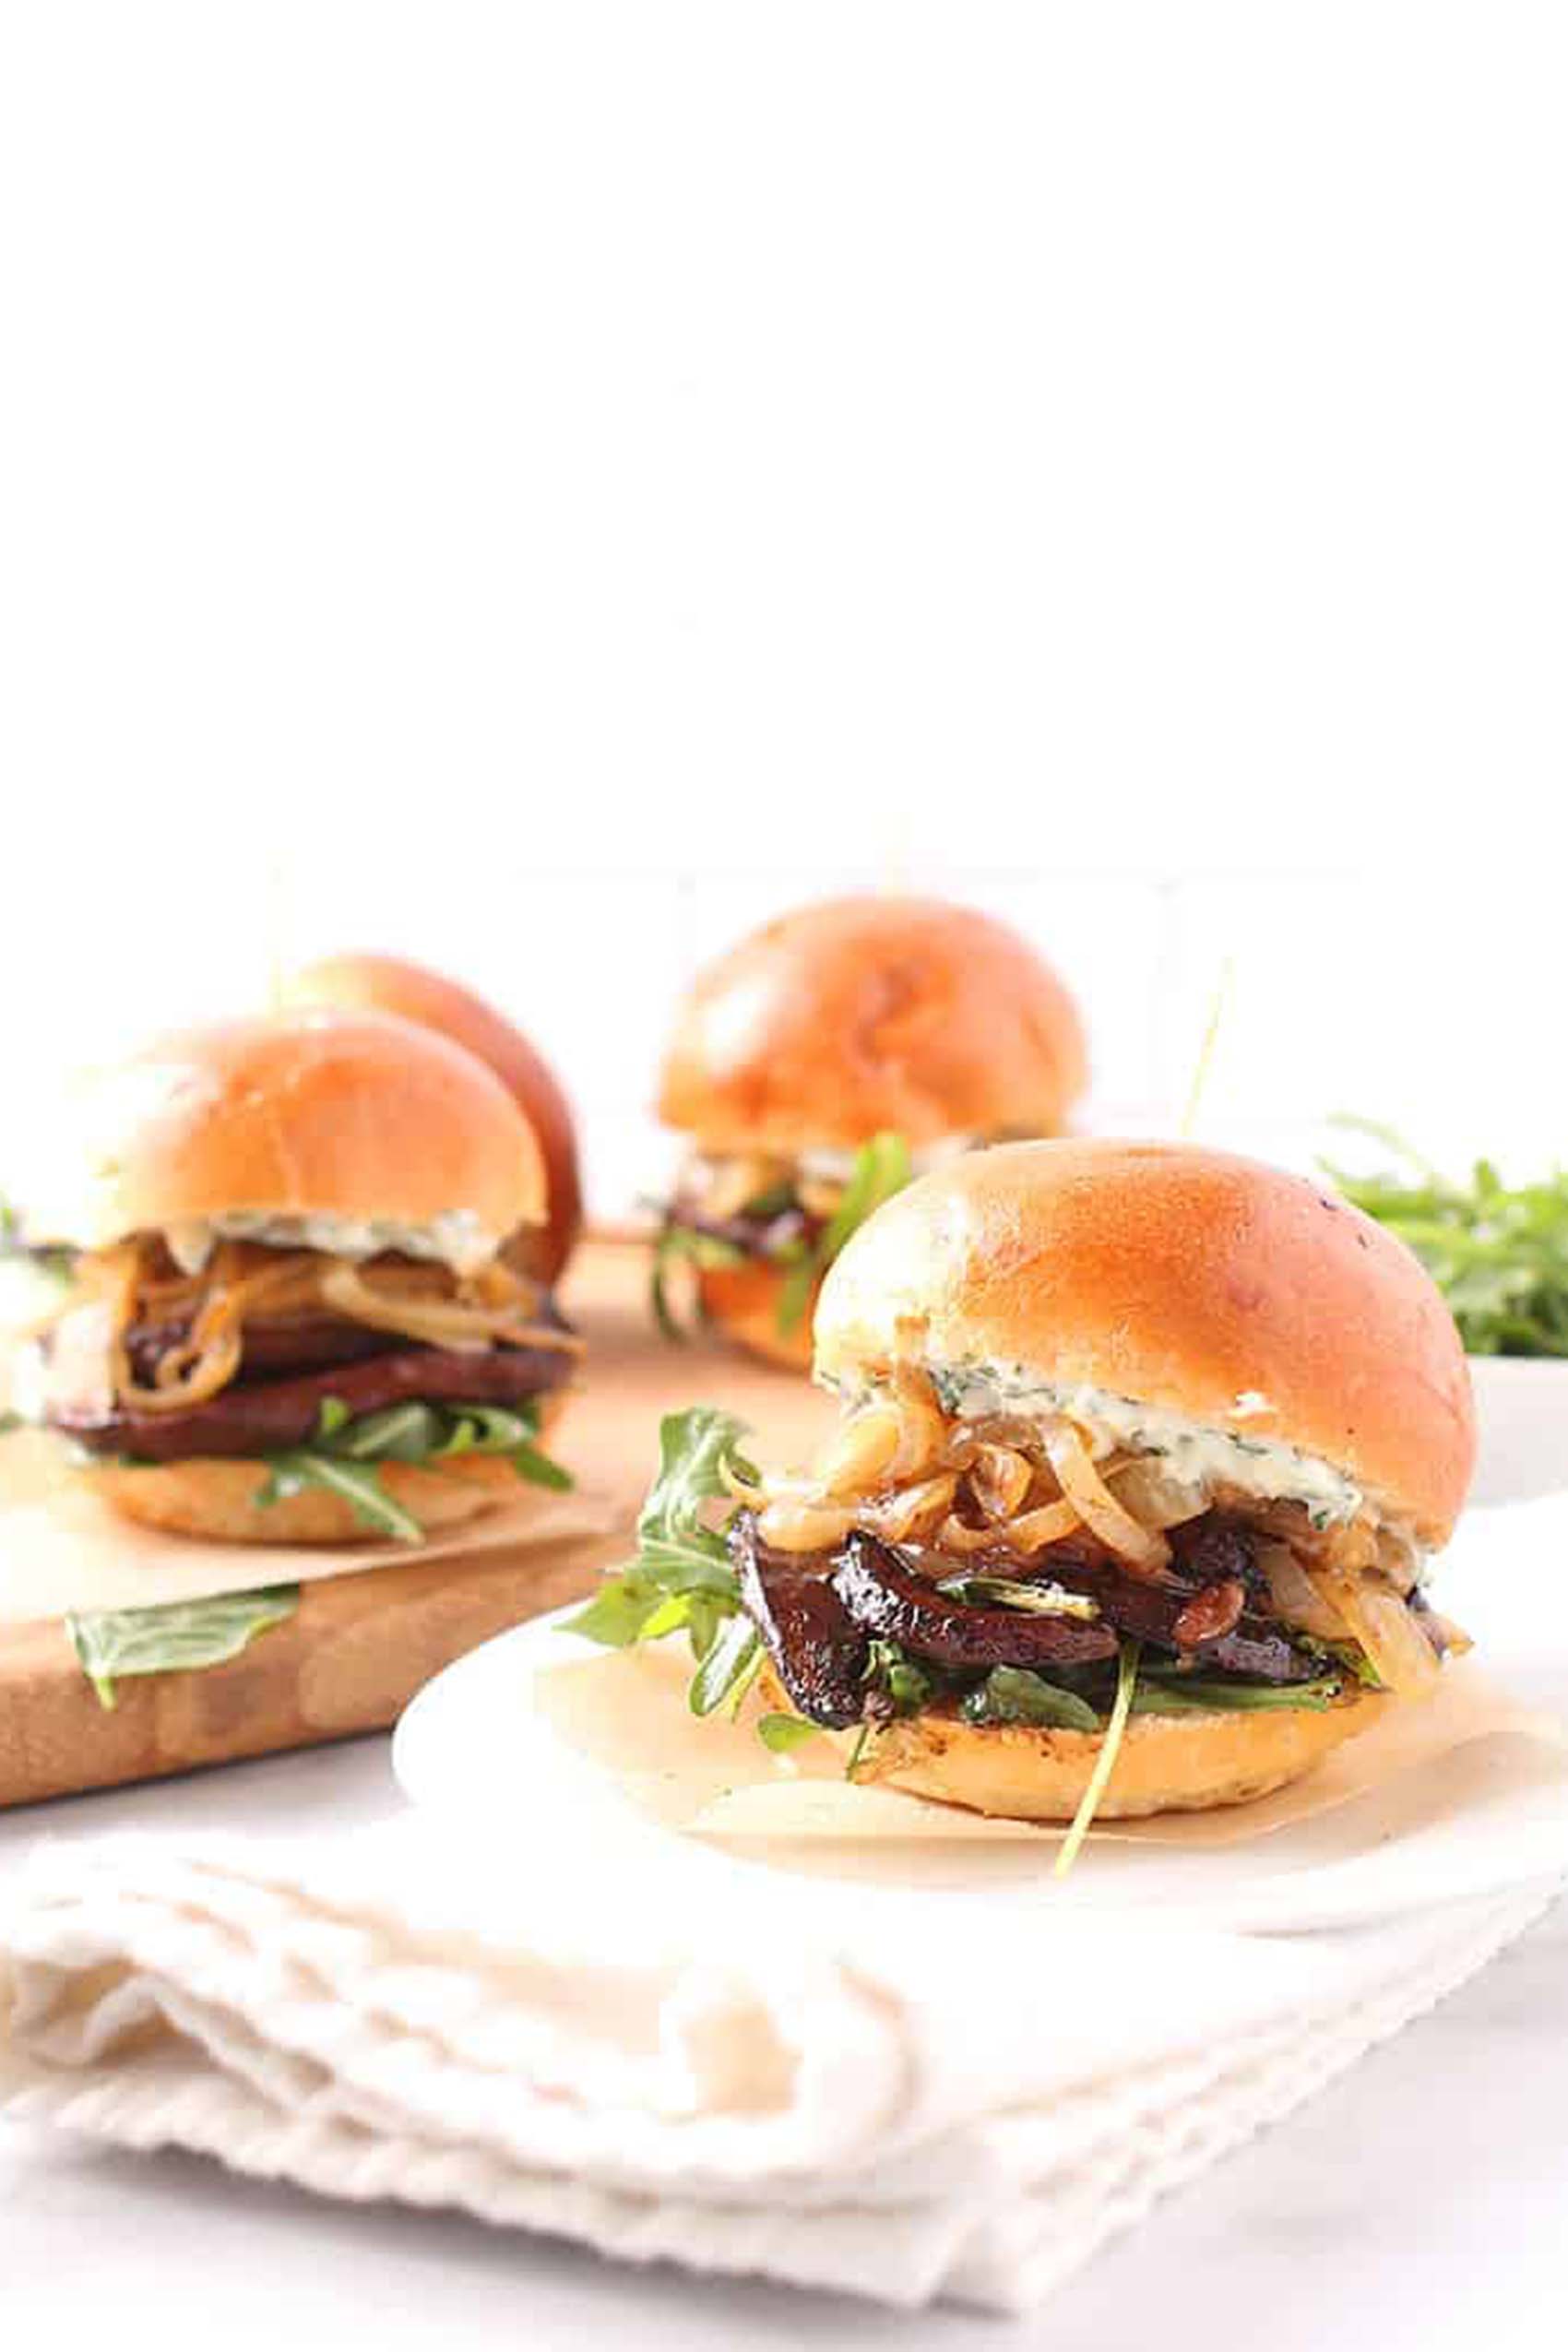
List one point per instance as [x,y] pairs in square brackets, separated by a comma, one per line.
[380,2016]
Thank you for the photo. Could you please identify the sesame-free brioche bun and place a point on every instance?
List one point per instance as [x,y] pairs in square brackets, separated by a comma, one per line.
[1195,1281]
[353,1115]
[741,1301]
[1167,1763]
[863,1014]
[387,984]
[218,1497]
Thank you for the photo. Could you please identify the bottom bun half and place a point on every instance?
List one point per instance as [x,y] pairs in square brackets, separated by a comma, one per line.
[219,1497]
[1166,1764]
[742,1302]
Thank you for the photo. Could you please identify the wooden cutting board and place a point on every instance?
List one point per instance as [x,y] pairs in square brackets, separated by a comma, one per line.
[360,1645]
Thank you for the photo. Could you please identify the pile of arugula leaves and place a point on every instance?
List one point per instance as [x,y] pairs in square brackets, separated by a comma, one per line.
[1498,1253]
[681,1580]
[881,1168]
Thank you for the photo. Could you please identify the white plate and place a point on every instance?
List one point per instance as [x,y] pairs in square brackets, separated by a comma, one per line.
[474,1745]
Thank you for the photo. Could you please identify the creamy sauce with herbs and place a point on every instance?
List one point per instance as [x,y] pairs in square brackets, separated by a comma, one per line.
[1194,1453]
[455,1238]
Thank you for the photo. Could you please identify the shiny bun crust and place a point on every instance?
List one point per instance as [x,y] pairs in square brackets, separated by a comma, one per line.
[869,1013]
[1214,1286]
[385,984]
[312,1113]
[741,1301]
[1166,1763]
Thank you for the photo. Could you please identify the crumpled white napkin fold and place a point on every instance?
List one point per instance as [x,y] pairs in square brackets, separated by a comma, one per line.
[942,2114]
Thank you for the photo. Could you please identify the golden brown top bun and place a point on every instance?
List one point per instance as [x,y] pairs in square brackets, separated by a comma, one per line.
[1209,1285]
[386,985]
[353,1115]
[860,1015]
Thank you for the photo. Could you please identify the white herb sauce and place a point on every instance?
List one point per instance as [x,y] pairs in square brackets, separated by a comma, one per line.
[1193,1452]
[455,1238]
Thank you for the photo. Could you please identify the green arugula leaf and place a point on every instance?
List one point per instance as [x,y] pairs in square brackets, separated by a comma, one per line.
[617,1615]
[1498,1253]
[537,1469]
[796,1292]
[669,1617]
[1356,1662]
[1016,1694]
[9,1421]
[1042,1600]
[508,1430]
[179,1638]
[486,1428]
[780,1734]
[906,1682]
[881,1168]
[664,1315]
[355,1484]
[699,1451]
[681,1578]
[409,1432]
[730,1657]
[751,1668]
[342,1455]
[678,1243]
[1194,1694]
[1127,1661]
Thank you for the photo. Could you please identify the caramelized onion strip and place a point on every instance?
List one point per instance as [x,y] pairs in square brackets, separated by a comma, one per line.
[248,1283]
[1378,1619]
[790,1523]
[1144,1549]
[1030,1532]
[442,1323]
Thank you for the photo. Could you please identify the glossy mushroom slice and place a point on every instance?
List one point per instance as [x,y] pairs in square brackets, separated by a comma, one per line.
[819,1652]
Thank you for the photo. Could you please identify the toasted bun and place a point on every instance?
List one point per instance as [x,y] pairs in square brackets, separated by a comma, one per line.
[385,984]
[1213,1286]
[868,1014]
[1167,1763]
[743,1303]
[314,1114]
[217,1498]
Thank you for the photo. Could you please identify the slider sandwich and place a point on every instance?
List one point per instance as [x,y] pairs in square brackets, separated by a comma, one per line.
[821,1064]
[1145,1452]
[296,1315]
[388,984]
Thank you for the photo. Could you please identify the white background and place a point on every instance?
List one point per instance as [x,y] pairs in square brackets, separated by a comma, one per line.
[540,487]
